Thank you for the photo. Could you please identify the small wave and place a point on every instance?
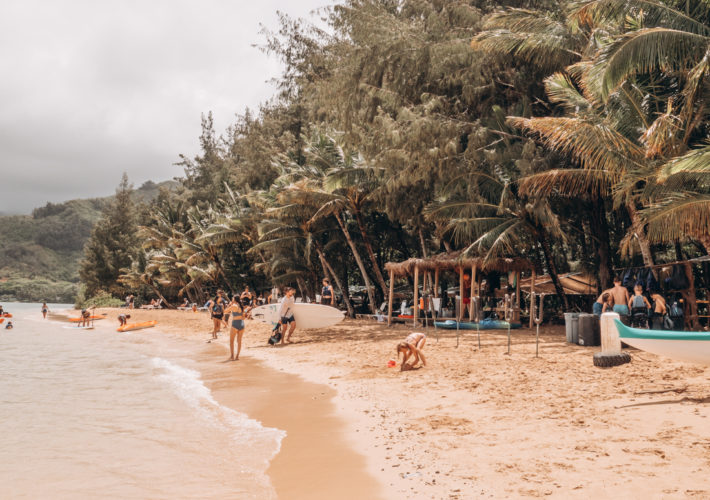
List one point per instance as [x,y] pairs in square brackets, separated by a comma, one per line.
[189,387]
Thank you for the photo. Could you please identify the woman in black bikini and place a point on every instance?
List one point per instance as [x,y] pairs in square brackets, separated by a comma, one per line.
[237,329]
[216,309]
[326,296]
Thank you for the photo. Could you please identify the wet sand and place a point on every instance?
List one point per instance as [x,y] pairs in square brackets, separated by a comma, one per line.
[479,422]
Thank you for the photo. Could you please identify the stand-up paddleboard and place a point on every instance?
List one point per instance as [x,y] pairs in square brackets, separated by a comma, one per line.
[486,324]
[136,326]
[93,318]
[308,316]
[77,327]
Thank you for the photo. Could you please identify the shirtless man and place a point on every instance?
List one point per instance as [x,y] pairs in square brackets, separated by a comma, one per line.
[288,322]
[621,297]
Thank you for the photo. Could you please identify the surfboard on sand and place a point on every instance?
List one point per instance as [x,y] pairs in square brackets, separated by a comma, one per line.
[308,316]
[77,327]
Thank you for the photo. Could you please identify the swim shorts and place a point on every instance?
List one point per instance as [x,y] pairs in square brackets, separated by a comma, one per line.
[622,309]
[286,320]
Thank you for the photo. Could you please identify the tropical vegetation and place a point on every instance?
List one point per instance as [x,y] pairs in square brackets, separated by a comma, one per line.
[571,133]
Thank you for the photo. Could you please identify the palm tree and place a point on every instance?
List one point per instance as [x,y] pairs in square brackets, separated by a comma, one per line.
[498,222]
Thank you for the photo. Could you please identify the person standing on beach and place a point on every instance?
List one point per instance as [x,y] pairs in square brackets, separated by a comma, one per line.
[659,310]
[45,310]
[621,298]
[216,309]
[286,314]
[327,297]
[236,308]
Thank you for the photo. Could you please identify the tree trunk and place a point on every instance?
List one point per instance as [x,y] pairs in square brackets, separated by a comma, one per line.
[302,288]
[220,270]
[360,265]
[157,292]
[640,234]
[552,269]
[600,234]
[375,266]
[328,271]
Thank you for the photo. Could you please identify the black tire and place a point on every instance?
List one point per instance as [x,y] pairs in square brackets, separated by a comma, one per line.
[608,360]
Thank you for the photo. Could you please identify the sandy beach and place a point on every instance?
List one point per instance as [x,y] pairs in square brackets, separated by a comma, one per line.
[472,423]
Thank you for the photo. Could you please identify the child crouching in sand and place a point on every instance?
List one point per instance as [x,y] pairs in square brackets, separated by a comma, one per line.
[412,346]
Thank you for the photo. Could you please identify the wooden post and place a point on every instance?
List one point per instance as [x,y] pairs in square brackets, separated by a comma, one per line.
[517,295]
[436,283]
[416,295]
[692,300]
[470,305]
[389,308]
[532,291]
[460,315]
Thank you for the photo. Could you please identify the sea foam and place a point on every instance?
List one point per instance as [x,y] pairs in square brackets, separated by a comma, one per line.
[190,388]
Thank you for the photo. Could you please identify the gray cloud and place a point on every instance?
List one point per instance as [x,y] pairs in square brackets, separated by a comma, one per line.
[92,89]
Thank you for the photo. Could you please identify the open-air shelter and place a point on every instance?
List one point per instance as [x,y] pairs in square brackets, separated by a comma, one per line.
[454,261]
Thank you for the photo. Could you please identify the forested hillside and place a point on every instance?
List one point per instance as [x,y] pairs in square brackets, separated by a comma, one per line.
[40,253]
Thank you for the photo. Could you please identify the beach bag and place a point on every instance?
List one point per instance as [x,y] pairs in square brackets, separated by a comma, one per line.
[668,323]
[650,282]
[675,311]
[275,338]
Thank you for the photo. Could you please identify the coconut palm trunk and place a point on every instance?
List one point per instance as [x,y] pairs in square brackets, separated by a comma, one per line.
[600,234]
[328,270]
[361,266]
[640,235]
[552,269]
[368,246]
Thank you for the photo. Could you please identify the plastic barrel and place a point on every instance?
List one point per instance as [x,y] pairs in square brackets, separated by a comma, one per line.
[589,333]
[572,327]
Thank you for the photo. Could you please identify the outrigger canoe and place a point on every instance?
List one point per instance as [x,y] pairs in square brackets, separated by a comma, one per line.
[683,346]
[136,326]
[495,324]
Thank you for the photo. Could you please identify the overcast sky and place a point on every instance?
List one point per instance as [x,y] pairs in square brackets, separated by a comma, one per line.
[92,88]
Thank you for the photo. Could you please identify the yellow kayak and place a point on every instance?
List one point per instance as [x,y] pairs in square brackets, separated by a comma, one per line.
[92,318]
[136,326]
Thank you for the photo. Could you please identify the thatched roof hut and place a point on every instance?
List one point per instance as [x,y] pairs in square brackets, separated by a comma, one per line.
[455,261]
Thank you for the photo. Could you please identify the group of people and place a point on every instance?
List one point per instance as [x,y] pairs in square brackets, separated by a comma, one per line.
[632,307]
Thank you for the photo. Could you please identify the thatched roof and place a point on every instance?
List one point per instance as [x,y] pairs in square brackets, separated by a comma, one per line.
[572,284]
[454,260]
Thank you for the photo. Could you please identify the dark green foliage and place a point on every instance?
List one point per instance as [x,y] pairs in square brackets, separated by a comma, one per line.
[112,245]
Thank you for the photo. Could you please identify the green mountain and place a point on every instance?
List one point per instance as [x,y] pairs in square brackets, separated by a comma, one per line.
[40,253]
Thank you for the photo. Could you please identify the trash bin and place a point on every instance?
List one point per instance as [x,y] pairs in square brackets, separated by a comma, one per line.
[572,327]
[589,333]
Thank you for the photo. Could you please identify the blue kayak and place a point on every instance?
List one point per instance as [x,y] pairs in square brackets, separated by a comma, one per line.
[486,324]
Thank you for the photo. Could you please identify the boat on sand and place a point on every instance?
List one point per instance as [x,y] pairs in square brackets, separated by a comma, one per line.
[683,346]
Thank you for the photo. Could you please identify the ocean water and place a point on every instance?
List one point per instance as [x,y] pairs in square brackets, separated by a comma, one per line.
[98,414]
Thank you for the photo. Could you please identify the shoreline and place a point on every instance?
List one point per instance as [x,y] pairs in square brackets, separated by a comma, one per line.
[316,460]
[483,423]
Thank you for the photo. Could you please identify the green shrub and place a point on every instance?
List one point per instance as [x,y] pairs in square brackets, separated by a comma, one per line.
[101,299]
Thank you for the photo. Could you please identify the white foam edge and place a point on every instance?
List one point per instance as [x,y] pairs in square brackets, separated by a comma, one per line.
[188,386]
